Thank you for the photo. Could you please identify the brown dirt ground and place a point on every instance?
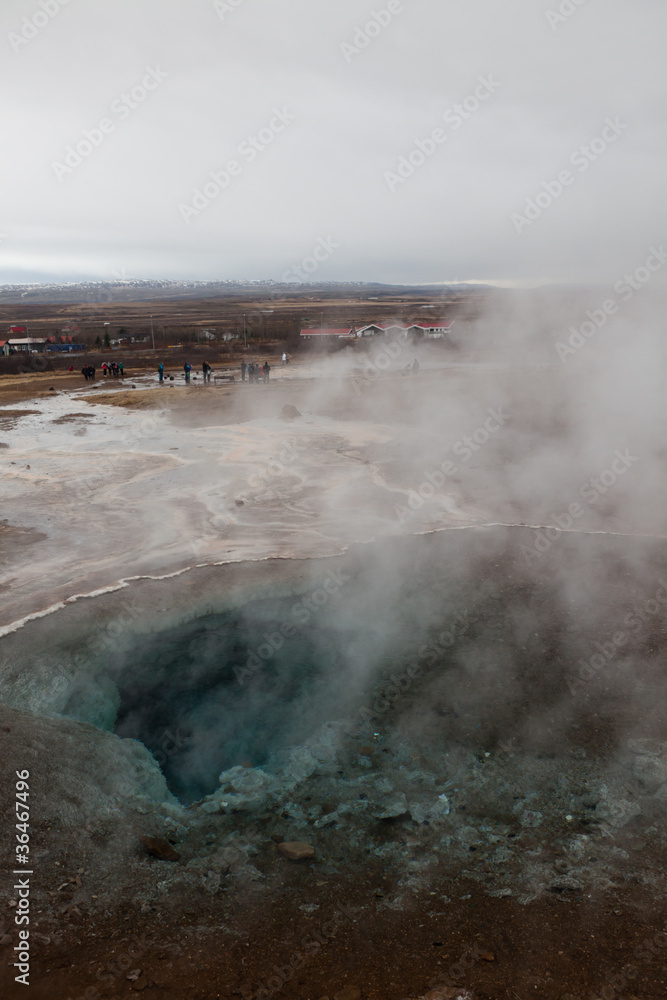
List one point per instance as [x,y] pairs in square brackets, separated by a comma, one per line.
[563,945]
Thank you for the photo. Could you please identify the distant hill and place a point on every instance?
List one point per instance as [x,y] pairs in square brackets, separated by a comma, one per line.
[139,290]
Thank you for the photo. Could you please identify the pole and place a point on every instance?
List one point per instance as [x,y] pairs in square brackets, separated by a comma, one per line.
[152,333]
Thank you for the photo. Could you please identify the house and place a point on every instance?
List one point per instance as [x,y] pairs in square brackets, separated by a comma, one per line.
[390,331]
[432,332]
[347,333]
[27,345]
[414,330]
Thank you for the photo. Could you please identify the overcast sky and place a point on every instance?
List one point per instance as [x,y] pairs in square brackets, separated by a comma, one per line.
[306,121]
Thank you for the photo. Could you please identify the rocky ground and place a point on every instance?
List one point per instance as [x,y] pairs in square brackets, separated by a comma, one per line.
[500,873]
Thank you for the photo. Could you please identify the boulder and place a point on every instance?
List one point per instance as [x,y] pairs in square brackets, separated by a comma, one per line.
[296,850]
[289,412]
[160,849]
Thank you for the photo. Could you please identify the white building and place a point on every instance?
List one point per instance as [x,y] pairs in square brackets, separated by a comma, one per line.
[429,331]
[26,345]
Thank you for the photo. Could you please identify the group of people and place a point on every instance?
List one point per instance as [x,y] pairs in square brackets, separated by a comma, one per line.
[256,373]
[115,369]
[187,370]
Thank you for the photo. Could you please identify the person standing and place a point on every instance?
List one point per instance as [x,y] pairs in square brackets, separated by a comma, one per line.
[92,372]
[243,370]
[266,370]
[187,368]
[104,370]
[160,372]
[284,357]
[251,372]
[84,372]
[121,369]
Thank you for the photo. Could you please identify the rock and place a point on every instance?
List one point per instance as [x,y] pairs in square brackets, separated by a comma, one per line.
[661,794]
[246,789]
[289,412]
[328,820]
[348,993]
[5,940]
[468,835]
[296,851]
[617,813]
[134,975]
[393,807]
[529,818]
[160,849]
[648,748]
[422,812]
[212,806]
[565,883]
[651,771]
[300,765]
[139,984]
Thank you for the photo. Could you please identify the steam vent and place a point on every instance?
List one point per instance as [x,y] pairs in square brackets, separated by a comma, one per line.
[348,685]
